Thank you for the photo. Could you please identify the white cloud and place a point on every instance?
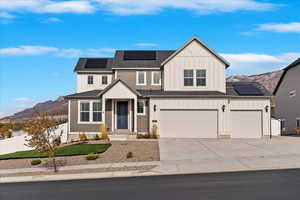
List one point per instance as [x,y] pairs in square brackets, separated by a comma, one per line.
[293,27]
[250,63]
[64,52]
[22,99]
[145,45]
[129,7]
[27,50]
[132,7]
[47,6]
[51,20]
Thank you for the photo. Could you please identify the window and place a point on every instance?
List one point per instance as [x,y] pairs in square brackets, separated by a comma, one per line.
[97,111]
[85,111]
[292,93]
[141,78]
[282,124]
[104,80]
[90,80]
[156,78]
[201,77]
[141,107]
[188,77]
[298,122]
[90,111]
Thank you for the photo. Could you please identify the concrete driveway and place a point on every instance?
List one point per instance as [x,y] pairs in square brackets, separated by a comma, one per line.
[206,155]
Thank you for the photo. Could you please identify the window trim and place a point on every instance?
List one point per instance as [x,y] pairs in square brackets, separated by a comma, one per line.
[144,108]
[92,80]
[282,128]
[152,78]
[137,78]
[192,77]
[195,78]
[90,112]
[102,79]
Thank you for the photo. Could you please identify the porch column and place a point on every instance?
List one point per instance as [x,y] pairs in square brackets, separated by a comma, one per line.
[135,114]
[103,109]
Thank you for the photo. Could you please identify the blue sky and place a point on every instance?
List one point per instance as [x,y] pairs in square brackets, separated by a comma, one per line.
[41,40]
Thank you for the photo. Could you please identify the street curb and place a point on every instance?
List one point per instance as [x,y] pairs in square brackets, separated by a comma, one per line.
[120,174]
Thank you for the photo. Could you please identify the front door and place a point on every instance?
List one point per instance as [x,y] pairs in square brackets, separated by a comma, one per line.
[122,115]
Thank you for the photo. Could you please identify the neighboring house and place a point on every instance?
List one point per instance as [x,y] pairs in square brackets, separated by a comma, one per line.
[183,92]
[287,98]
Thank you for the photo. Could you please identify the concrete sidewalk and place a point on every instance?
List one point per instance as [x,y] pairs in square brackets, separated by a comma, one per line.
[193,156]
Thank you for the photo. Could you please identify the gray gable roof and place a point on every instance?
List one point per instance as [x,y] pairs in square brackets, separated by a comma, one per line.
[84,95]
[285,70]
[161,55]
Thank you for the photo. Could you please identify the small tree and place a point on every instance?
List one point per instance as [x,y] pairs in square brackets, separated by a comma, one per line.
[42,137]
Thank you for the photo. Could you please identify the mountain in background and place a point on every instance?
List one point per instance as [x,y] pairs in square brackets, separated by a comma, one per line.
[269,80]
[59,108]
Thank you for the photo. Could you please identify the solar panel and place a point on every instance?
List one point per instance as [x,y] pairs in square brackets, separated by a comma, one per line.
[247,90]
[96,63]
[139,55]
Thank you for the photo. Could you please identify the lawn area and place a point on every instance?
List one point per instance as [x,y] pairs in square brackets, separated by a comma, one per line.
[73,150]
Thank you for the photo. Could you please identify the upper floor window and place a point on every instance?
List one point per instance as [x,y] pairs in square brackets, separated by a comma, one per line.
[188,77]
[141,78]
[104,80]
[194,77]
[141,107]
[90,111]
[201,77]
[156,78]
[90,80]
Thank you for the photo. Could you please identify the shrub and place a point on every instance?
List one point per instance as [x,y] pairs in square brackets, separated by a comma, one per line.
[7,134]
[82,137]
[143,136]
[96,137]
[129,155]
[92,156]
[154,131]
[103,131]
[36,162]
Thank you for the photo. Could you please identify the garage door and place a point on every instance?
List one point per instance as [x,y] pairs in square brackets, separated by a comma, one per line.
[188,123]
[246,124]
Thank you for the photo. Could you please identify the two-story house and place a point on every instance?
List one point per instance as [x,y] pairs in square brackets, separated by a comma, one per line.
[183,92]
[287,98]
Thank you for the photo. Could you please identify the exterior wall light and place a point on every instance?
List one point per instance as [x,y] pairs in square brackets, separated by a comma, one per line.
[223,108]
[154,107]
[267,108]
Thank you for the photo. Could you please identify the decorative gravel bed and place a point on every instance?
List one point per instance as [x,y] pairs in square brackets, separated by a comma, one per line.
[143,151]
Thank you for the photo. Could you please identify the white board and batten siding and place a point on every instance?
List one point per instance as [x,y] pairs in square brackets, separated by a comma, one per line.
[194,56]
[206,118]
[83,86]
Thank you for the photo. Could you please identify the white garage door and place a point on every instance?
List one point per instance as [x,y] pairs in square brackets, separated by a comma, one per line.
[188,123]
[246,124]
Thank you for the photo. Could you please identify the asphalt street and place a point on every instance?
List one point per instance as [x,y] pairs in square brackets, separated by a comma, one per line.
[254,185]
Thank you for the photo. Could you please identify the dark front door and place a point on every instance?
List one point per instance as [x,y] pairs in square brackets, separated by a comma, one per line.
[122,115]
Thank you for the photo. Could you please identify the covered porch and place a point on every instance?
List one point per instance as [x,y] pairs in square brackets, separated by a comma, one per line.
[120,104]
